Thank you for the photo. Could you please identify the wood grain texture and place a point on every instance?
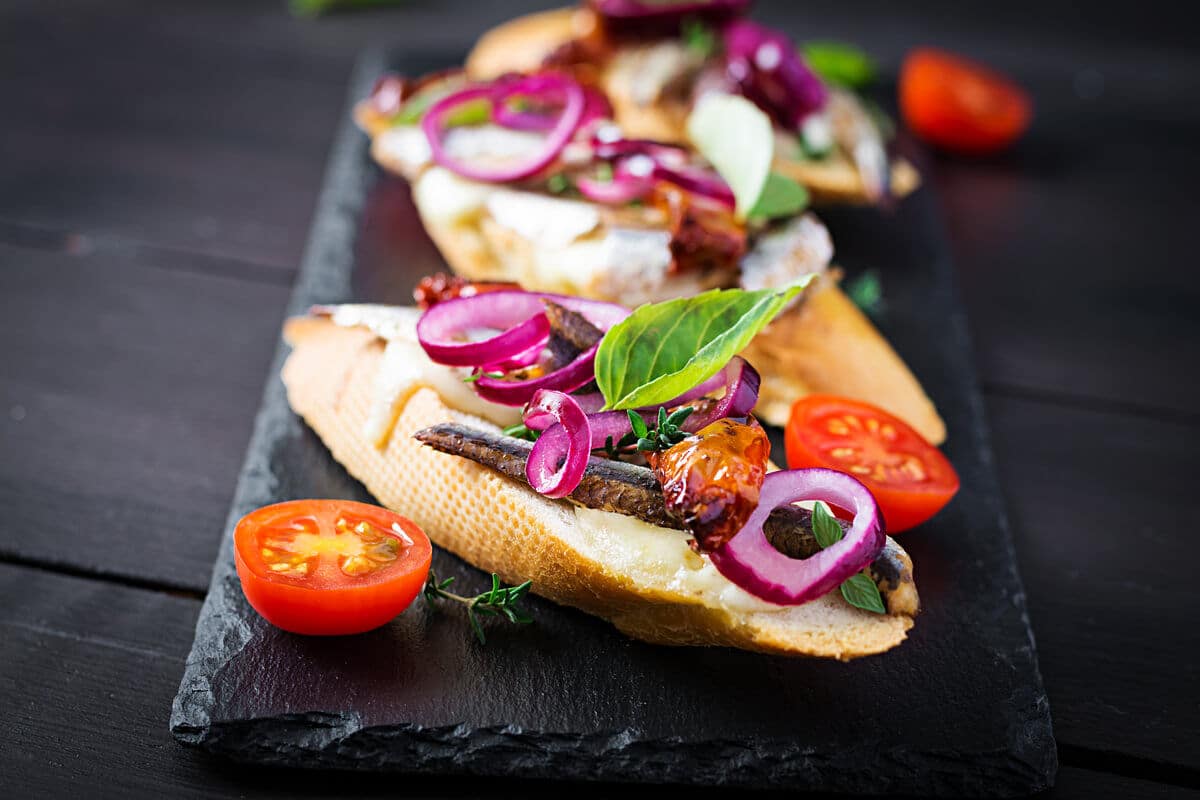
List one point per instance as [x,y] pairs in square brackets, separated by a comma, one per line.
[124,410]
[145,133]
[1099,504]
[88,670]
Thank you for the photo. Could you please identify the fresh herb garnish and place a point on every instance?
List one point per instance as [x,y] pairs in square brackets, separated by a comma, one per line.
[312,8]
[840,64]
[474,376]
[858,590]
[781,197]
[558,183]
[663,349]
[866,292]
[499,601]
[665,434]
[520,431]
[699,38]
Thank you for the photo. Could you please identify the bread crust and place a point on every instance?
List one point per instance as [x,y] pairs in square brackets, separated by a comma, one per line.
[523,43]
[506,528]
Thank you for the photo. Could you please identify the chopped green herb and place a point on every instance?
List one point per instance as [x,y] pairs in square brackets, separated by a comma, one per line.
[520,431]
[858,590]
[499,601]
[604,172]
[866,292]
[313,8]
[558,183]
[825,527]
[666,434]
[699,38]
[474,376]
[781,197]
[839,63]
[861,592]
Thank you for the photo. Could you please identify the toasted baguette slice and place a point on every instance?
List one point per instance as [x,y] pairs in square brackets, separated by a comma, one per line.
[522,44]
[608,565]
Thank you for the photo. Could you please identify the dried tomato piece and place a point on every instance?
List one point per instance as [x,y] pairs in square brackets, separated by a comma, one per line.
[711,481]
[440,286]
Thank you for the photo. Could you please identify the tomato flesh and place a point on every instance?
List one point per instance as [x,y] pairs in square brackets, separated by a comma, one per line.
[329,567]
[959,105]
[910,478]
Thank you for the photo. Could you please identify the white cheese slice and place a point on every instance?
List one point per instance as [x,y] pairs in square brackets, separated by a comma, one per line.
[798,247]
[545,221]
[444,197]
[405,145]
[406,368]
[628,545]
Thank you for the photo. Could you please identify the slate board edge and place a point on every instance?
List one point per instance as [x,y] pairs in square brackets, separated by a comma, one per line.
[339,740]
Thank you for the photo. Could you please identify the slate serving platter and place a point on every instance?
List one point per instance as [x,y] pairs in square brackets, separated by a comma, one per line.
[959,709]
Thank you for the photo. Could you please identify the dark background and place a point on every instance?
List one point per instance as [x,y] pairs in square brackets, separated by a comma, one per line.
[159,164]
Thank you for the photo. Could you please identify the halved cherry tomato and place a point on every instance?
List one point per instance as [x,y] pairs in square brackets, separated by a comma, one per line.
[960,105]
[329,567]
[910,478]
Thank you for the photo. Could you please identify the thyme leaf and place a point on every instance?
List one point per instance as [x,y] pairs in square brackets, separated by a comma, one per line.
[498,601]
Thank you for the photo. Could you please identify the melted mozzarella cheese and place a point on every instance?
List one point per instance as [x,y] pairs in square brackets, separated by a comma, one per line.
[445,197]
[406,368]
[780,256]
[546,221]
[633,547]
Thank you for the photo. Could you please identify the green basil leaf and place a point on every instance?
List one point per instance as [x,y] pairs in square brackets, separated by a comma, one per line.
[839,63]
[699,38]
[781,197]
[825,526]
[414,108]
[661,350]
[861,592]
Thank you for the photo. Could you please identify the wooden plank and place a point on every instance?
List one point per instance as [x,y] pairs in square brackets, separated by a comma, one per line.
[87,674]
[200,130]
[1099,504]
[125,407]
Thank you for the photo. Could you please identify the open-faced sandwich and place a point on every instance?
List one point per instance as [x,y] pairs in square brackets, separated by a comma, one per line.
[527,179]
[656,60]
[612,458]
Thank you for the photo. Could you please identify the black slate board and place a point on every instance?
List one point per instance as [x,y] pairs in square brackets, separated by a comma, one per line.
[959,709]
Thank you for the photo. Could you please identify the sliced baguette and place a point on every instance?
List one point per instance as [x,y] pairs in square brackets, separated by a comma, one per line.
[522,44]
[506,528]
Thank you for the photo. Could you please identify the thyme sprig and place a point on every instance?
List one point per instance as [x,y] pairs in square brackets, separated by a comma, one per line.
[499,601]
[665,434]
[474,376]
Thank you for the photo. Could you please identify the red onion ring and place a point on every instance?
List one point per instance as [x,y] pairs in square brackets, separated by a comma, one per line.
[596,106]
[768,71]
[697,181]
[519,315]
[591,404]
[517,393]
[568,441]
[624,187]
[741,394]
[662,162]
[546,85]
[750,561]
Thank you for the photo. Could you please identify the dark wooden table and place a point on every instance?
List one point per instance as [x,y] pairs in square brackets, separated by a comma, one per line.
[158,167]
